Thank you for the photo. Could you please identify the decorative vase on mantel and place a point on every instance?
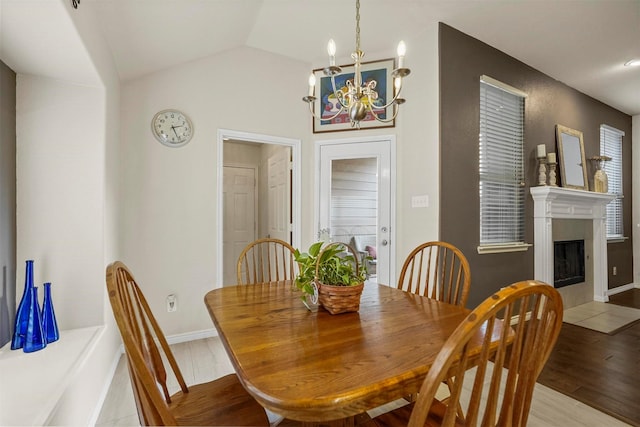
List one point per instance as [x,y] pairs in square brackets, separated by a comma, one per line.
[22,314]
[34,338]
[600,179]
[49,323]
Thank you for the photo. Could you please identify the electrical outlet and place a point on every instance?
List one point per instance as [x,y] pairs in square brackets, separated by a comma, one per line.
[172,303]
[615,270]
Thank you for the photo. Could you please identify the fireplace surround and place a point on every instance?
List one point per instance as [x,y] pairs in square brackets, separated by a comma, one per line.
[556,203]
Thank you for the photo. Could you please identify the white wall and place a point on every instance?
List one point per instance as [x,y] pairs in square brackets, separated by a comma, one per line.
[169,200]
[60,198]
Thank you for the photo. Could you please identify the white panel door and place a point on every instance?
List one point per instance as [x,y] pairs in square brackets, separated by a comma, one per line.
[239,194]
[279,188]
[355,201]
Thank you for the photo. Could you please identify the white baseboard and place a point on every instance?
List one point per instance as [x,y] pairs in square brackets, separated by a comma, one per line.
[187,336]
[192,336]
[623,288]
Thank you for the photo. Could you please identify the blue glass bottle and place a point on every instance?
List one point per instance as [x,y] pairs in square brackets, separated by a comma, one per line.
[22,314]
[34,338]
[49,323]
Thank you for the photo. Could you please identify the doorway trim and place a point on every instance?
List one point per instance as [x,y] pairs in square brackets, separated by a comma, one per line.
[389,139]
[295,144]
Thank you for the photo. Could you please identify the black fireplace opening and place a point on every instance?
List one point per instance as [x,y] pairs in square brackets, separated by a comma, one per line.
[568,262]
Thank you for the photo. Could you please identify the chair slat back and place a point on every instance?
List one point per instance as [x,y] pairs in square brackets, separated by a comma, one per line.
[266,260]
[495,357]
[437,270]
[141,335]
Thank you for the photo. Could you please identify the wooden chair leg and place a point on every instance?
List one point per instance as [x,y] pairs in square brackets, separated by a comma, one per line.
[459,411]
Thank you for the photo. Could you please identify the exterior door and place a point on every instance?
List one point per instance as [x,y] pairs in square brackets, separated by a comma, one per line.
[356,205]
[239,194]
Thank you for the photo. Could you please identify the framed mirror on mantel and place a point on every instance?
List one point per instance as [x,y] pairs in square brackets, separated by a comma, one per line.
[573,168]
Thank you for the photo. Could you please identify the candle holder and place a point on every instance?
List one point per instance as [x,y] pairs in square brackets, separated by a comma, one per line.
[552,174]
[542,171]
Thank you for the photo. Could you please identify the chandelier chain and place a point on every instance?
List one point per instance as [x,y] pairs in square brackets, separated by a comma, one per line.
[357,25]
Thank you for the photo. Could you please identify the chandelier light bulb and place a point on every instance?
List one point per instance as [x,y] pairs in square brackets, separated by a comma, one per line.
[331,49]
[632,63]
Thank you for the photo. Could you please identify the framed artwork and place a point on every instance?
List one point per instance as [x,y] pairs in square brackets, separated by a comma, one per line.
[327,105]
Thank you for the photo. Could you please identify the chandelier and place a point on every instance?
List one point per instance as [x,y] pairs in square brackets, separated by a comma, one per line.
[358,98]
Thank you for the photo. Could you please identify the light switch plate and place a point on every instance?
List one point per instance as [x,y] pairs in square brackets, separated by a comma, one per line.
[420,201]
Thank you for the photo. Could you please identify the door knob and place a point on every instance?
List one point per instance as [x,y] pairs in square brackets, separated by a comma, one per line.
[384,242]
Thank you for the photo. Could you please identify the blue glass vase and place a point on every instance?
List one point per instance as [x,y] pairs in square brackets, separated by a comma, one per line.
[22,314]
[49,324]
[34,338]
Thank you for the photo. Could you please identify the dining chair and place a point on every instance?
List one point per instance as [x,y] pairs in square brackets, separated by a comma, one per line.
[437,270]
[216,403]
[266,260]
[494,357]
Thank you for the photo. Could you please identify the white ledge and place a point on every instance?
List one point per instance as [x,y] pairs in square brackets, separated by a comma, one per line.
[33,383]
[503,247]
[559,202]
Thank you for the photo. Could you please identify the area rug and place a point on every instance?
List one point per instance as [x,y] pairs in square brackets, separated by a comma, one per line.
[602,317]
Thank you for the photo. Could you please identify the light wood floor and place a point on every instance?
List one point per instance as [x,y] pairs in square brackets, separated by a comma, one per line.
[204,360]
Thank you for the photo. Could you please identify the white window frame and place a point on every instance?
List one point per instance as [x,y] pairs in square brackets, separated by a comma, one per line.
[611,146]
[501,167]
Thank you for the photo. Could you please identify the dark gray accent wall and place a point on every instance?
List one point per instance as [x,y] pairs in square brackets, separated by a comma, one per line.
[7,202]
[463,60]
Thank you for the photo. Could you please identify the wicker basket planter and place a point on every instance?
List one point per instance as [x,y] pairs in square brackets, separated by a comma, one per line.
[340,299]
[330,276]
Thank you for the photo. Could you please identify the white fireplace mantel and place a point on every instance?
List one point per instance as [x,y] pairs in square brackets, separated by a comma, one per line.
[555,203]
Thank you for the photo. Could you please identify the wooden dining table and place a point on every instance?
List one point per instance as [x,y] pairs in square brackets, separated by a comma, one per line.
[313,366]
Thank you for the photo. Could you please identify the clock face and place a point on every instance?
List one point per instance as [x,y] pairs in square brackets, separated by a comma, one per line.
[172,128]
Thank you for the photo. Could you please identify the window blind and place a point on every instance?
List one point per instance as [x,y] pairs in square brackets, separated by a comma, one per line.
[501,165]
[611,145]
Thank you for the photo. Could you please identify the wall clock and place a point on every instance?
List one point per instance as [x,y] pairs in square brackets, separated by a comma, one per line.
[172,128]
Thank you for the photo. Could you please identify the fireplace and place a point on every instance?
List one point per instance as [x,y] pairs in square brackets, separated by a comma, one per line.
[568,263]
[552,205]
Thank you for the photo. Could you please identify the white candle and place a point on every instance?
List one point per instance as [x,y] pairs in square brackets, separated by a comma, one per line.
[551,157]
[402,50]
[331,50]
[542,151]
[312,84]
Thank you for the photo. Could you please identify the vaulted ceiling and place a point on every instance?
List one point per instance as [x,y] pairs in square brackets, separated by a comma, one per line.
[583,43]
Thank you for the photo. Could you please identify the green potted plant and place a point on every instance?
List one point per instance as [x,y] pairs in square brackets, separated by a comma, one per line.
[332,276]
